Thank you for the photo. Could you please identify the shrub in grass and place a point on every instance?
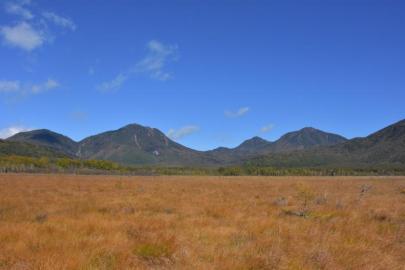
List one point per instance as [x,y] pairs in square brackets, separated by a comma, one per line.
[41,217]
[102,261]
[152,251]
[305,195]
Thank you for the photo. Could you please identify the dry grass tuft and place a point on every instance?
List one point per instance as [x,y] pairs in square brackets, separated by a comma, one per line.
[116,222]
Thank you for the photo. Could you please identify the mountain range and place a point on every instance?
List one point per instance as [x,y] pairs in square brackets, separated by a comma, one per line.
[138,145]
[385,147]
[306,138]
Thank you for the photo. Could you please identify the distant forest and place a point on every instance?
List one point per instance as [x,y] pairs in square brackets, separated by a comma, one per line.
[22,164]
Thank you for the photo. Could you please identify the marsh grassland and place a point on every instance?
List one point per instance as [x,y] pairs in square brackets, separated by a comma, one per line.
[118,222]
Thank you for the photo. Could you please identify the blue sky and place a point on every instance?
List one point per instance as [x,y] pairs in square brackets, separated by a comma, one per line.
[207,73]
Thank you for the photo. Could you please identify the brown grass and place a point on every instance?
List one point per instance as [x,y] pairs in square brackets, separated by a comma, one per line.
[100,222]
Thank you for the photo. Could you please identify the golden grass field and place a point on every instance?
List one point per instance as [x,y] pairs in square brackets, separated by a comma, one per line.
[119,222]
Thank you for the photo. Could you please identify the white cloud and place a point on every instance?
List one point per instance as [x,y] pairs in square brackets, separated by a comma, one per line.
[17,87]
[267,128]
[10,131]
[114,84]
[23,35]
[20,10]
[153,65]
[46,86]
[9,86]
[240,112]
[59,20]
[157,58]
[177,134]
[30,32]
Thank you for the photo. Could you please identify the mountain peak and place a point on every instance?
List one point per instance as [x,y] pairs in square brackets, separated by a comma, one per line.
[306,138]
[47,138]
[133,125]
[311,129]
[35,131]
[141,129]
[137,144]
[391,132]
[253,145]
[255,139]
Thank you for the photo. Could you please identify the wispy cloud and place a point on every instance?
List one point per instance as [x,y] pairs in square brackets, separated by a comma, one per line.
[157,58]
[153,65]
[267,128]
[176,134]
[30,32]
[16,87]
[240,112]
[9,86]
[59,20]
[10,131]
[43,87]
[114,84]
[23,36]
[19,9]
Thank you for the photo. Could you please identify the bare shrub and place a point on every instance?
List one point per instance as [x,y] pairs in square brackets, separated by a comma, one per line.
[280,201]
[321,199]
[364,189]
[41,217]
[103,260]
[380,215]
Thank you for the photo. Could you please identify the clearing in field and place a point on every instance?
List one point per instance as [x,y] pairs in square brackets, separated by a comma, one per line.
[117,222]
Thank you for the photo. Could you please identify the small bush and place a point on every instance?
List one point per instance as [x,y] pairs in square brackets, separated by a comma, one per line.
[102,261]
[321,199]
[41,217]
[297,213]
[323,215]
[280,201]
[152,251]
[380,215]
[364,189]
[305,195]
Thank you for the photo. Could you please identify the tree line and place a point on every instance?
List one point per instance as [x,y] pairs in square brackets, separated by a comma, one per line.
[16,164]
